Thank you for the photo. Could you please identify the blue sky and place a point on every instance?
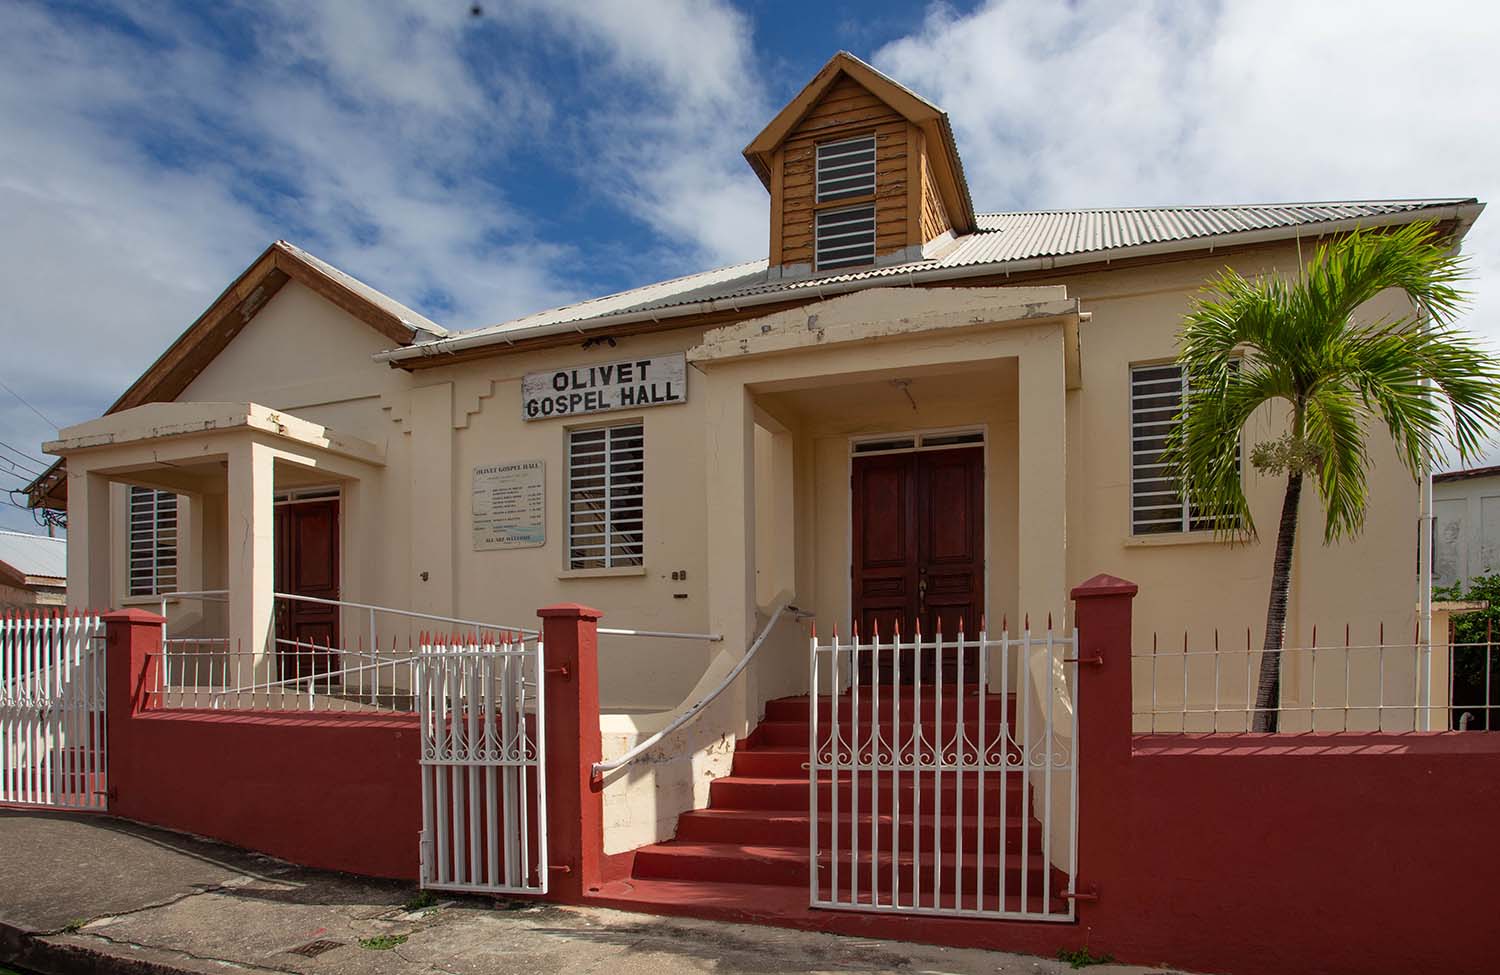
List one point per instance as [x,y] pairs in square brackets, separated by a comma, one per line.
[482,167]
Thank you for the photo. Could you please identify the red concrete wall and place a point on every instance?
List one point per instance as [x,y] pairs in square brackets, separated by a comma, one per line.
[1315,854]
[340,792]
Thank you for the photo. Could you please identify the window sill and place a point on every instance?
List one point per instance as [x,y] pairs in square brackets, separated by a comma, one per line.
[1171,540]
[148,600]
[624,570]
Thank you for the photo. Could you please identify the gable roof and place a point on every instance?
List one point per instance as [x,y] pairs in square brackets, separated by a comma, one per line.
[213,330]
[1003,243]
[933,122]
[32,556]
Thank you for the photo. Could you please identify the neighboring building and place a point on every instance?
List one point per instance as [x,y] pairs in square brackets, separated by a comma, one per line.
[913,411]
[33,571]
[1466,525]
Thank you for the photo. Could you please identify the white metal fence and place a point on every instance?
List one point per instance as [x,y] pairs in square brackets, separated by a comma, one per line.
[943,775]
[52,721]
[484,788]
[1347,684]
[371,665]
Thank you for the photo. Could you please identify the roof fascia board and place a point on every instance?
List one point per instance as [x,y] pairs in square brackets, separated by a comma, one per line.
[436,353]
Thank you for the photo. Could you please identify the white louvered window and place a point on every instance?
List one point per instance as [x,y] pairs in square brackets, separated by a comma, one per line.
[845,237]
[606,497]
[846,169]
[1156,502]
[153,542]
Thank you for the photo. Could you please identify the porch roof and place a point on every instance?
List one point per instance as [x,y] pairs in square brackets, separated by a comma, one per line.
[164,421]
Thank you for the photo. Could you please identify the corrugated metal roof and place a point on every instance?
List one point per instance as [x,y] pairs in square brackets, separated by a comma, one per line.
[34,555]
[377,298]
[1002,239]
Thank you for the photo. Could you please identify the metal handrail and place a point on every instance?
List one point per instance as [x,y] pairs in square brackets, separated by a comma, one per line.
[599,768]
[527,631]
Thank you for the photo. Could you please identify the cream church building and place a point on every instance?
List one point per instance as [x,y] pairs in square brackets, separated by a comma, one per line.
[913,411]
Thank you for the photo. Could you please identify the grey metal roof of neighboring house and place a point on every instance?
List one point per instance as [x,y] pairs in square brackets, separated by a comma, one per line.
[1467,474]
[34,555]
[378,298]
[1002,241]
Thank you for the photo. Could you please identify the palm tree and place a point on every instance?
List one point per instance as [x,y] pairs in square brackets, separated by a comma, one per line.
[1248,343]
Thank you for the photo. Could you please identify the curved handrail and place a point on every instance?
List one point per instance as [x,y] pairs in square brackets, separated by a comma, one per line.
[600,768]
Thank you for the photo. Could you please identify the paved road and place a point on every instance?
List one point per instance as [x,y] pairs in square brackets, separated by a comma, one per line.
[94,894]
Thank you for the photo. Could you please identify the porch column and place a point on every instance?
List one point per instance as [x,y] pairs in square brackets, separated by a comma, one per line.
[1042,495]
[89,542]
[249,553]
[730,452]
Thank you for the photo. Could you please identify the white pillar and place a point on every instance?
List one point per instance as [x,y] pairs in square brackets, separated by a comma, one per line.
[89,542]
[250,554]
[432,507]
[1041,452]
[730,479]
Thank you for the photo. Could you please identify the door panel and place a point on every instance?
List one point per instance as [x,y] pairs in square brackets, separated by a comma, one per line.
[885,543]
[307,564]
[918,546]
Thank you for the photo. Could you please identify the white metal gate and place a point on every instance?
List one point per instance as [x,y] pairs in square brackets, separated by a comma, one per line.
[484,791]
[943,775]
[52,730]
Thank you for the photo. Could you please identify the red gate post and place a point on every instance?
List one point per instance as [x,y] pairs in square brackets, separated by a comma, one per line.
[1102,612]
[132,641]
[575,803]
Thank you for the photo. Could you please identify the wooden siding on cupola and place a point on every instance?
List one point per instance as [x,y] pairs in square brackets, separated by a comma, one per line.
[908,208]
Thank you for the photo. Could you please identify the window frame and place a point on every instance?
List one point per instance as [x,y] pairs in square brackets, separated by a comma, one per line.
[1188,524]
[608,559]
[161,573]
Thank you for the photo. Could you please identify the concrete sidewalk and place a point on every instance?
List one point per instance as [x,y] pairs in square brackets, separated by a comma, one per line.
[81,893]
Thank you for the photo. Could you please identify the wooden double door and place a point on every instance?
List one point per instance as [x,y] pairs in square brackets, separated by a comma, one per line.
[918,556]
[307,564]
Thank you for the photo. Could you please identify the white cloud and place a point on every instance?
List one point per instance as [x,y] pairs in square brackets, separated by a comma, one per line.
[1099,103]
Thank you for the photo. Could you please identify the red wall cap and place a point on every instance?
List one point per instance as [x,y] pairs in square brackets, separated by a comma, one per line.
[133,616]
[569,611]
[1104,584]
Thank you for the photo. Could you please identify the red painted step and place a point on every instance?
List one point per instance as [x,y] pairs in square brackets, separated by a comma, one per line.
[744,792]
[783,865]
[789,828]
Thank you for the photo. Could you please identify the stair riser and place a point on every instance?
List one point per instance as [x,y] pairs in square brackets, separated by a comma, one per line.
[793,832]
[799,711]
[793,795]
[655,866]
[790,733]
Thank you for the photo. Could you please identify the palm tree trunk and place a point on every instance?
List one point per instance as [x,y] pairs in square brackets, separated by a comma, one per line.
[1268,692]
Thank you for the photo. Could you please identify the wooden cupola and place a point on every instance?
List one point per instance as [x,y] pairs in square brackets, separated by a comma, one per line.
[862,171]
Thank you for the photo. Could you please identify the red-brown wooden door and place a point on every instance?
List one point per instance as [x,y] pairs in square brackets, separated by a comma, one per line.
[919,550]
[307,564]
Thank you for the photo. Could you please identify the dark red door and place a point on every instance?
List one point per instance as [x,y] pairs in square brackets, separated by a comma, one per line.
[307,564]
[919,549]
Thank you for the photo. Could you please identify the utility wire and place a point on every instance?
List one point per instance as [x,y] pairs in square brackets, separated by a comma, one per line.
[20,465]
[23,454]
[26,404]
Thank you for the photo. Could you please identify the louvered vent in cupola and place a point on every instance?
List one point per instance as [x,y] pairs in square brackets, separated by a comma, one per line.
[846,169]
[845,236]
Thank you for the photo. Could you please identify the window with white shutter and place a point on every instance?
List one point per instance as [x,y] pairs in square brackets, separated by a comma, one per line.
[606,497]
[1156,501]
[844,238]
[152,556]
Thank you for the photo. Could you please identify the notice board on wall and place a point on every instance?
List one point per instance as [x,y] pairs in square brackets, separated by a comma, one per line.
[510,505]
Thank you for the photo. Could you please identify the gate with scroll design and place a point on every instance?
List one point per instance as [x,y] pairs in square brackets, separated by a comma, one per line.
[939,791]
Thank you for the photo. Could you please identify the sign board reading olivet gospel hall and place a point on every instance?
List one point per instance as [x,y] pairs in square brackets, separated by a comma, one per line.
[510,505]
[629,385]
